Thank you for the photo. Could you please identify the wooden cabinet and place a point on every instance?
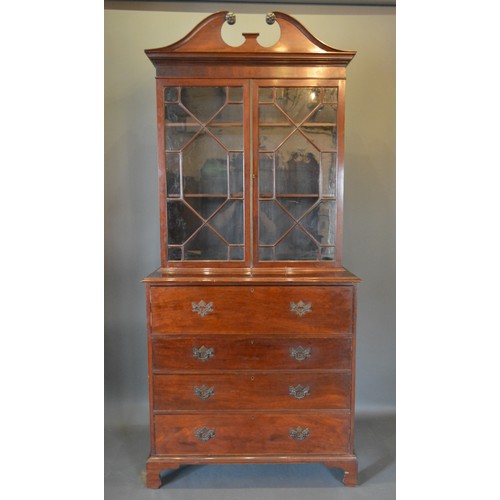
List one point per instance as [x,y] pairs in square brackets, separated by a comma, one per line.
[251,316]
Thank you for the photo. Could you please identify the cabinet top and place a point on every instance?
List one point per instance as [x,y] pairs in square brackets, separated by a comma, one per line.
[295,276]
[204,44]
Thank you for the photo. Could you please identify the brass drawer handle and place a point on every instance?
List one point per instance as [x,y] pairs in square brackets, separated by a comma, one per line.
[202,308]
[203,353]
[299,353]
[204,392]
[299,392]
[300,308]
[204,434]
[299,434]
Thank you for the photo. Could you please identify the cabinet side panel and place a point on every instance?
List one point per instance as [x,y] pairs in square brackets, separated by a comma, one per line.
[150,369]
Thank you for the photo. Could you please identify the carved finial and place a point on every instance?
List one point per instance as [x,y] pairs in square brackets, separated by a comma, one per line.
[230,18]
[270,18]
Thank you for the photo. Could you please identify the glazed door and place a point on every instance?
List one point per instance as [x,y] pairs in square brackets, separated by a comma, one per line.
[204,138]
[298,158]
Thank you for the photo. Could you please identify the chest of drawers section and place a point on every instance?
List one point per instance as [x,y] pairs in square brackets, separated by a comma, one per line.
[251,373]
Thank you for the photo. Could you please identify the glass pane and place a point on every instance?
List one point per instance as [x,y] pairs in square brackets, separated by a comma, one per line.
[175,113]
[232,113]
[271,137]
[331,95]
[206,245]
[230,137]
[235,94]
[321,222]
[297,246]
[266,253]
[298,206]
[236,253]
[297,168]
[228,222]
[268,113]
[273,222]
[204,166]
[266,94]
[182,222]
[205,206]
[326,113]
[329,173]
[236,175]
[328,253]
[203,102]
[174,253]
[266,182]
[324,137]
[173,174]
[177,137]
[171,94]
[297,103]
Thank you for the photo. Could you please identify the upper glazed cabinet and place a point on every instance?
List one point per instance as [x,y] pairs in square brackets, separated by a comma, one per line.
[250,149]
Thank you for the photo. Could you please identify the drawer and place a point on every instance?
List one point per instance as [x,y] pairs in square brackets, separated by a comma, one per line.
[283,390]
[258,433]
[256,309]
[223,352]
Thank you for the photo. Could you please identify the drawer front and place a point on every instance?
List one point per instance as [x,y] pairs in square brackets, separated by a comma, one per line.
[284,390]
[257,309]
[262,434]
[205,353]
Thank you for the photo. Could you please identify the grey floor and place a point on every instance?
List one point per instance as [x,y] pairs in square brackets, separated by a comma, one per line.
[126,450]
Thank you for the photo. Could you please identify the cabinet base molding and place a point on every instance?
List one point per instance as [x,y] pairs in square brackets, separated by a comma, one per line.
[156,464]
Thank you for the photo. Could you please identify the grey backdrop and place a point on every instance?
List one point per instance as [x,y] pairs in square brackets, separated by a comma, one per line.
[131,201]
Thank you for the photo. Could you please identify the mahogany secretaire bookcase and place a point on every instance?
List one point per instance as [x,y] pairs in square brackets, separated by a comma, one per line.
[251,316]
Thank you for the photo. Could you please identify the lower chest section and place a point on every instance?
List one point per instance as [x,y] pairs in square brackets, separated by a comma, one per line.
[260,370]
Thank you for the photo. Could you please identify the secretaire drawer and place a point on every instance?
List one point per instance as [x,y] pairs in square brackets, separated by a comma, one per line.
[235,391]
[225,352]
[256,309]
[246,433]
